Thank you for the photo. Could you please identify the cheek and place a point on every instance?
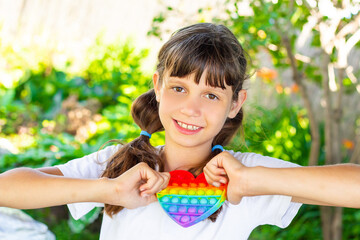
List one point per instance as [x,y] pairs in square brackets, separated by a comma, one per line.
[218,114]
[169,101]
[166,106]
[218,119]
[214,112]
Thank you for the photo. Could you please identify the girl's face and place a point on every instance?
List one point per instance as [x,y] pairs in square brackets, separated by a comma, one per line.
[193,114]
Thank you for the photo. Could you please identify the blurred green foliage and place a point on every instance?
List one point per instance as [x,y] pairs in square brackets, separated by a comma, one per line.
[105,92]
[52,116]
[282,132]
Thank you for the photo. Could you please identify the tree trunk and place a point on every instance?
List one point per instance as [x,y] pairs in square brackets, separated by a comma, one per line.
[336,142]
[337,224]
[355,157]
[298,79]
[332,217]
[327,212]
[314,129]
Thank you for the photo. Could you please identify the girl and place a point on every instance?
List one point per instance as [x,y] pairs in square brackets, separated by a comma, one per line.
[197,99]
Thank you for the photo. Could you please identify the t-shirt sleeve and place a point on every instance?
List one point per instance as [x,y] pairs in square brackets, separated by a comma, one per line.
[276,210]
[87,167]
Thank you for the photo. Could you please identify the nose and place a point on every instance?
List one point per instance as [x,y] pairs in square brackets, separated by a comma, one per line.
[191,107]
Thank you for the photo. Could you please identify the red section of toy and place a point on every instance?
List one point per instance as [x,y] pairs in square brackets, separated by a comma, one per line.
[189,200]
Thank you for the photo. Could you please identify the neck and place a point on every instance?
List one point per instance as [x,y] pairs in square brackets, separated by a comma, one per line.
[184,158]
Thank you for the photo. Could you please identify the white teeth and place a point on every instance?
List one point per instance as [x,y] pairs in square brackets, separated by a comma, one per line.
[190,127]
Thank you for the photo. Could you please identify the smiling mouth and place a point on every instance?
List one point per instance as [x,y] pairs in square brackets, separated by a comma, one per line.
[187,126]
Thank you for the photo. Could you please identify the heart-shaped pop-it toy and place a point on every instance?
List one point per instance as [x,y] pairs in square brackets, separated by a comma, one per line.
[188,200]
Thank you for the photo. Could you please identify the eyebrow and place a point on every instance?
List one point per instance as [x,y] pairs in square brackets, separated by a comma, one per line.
[174,79]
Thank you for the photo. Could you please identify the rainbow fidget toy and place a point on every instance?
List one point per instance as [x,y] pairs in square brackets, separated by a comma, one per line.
[188,200]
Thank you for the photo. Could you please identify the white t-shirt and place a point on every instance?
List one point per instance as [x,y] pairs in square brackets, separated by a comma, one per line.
[151,221]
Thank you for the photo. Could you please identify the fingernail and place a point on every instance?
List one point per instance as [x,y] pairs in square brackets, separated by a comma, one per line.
[145,195]
[216,184]
[222,181]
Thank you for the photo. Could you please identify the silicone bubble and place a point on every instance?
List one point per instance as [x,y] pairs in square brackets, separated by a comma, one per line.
[188,200]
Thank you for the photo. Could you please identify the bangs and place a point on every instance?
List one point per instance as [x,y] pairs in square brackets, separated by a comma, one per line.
[203,53]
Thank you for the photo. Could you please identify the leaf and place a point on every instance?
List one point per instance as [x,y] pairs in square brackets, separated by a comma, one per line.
[6,97]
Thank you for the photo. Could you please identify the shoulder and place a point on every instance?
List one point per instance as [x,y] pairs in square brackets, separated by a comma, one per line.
[89,166]
[250,159]
[102,155]
[106,152]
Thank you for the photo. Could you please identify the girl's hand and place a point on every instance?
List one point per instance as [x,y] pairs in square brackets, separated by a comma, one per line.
[224,168]
[137,186]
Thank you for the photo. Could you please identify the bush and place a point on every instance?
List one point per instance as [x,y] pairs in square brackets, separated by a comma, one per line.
[52,116]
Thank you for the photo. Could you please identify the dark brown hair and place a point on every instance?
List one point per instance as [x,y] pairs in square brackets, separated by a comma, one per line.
[198,48]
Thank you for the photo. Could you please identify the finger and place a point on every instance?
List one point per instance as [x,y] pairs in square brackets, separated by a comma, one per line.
[148,185]
[157,186]
[163,181]
[221,171]
[166,177]
[154,183]
[217,161]
[148,175]
[216,165]
[214,179]
[229,162]
[216,170]
[209,180]
[209,175]
[217,173]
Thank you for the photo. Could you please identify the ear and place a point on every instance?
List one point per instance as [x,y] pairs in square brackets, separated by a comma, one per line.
[156,85]
[236,105]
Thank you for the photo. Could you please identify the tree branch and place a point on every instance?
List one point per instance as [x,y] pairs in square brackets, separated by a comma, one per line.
[348,28]
[344,48]
[328,108]
[297,78]
[327,34]
[350,43]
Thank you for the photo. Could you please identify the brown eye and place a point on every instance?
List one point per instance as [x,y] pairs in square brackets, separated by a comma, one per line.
[211,96]
[178,89]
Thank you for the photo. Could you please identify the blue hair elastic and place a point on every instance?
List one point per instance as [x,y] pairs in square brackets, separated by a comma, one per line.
[217,147]
[145,133]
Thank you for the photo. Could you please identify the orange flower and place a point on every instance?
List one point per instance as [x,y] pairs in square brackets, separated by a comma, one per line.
[295,88]
[266,74]
[54,148]
[279,88]
[348,144]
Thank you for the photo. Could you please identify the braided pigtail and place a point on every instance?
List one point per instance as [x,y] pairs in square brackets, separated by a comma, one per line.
[145,114]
